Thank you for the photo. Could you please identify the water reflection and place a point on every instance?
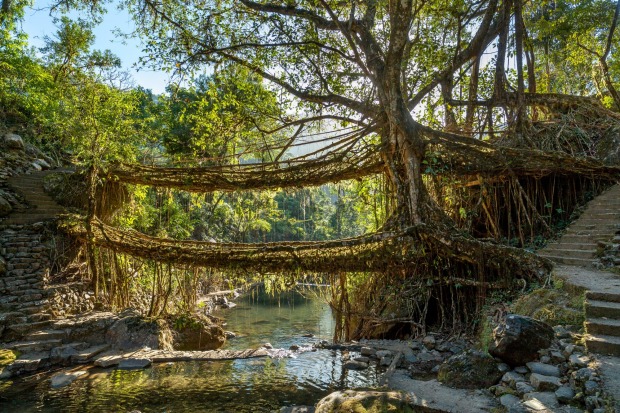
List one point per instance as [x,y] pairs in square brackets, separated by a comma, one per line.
[281,320]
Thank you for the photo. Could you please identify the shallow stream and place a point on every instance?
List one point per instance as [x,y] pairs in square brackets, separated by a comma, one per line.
[253,385]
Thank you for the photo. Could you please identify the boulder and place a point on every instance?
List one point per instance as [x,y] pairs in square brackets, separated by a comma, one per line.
[364,402]
[470,370]
[134,332]
[518,339]
[2,266]
[197,332]
[13,141]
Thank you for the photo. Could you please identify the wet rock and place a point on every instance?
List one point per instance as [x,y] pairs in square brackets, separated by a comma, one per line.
[544,383]
[229,335]
[65,378]
[362,359]
[268,346]
[134,363]
[469,370]
[294,347]
[564,394]
[519,338]
[368,351]
[364,402]
[383,353]
[543,369]
[521,370]
[429,342]
[108,360]
[355,365]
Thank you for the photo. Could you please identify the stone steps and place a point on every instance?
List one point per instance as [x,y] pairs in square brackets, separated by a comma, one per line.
[577,248]
[46,335]
[579,262]
[22,329]
[603,326]
[585,254]
[26,363]
[43,206]
[89,353]
[573,246]
[603,296]
[598,309]
[603,344]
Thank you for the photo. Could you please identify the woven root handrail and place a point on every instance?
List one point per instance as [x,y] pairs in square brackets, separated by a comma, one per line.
[255,176]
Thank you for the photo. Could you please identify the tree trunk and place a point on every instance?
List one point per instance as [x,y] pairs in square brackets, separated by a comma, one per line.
[90,215]
[473,96]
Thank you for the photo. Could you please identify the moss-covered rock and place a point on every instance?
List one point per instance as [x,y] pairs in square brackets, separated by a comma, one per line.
[196,332]
[351,401]
[471,369]
[134,332]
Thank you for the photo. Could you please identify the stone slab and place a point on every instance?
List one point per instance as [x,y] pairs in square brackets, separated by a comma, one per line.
[432,396]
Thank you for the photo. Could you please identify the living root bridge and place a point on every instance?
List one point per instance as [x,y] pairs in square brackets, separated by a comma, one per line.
[293,173]
[447,154]
[381,252]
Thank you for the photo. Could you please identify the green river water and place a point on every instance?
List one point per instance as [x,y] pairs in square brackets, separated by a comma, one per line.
[253,385]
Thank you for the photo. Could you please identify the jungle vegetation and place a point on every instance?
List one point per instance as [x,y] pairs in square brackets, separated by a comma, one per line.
[443,136]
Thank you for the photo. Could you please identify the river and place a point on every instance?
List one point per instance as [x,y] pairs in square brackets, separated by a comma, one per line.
[253,385]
